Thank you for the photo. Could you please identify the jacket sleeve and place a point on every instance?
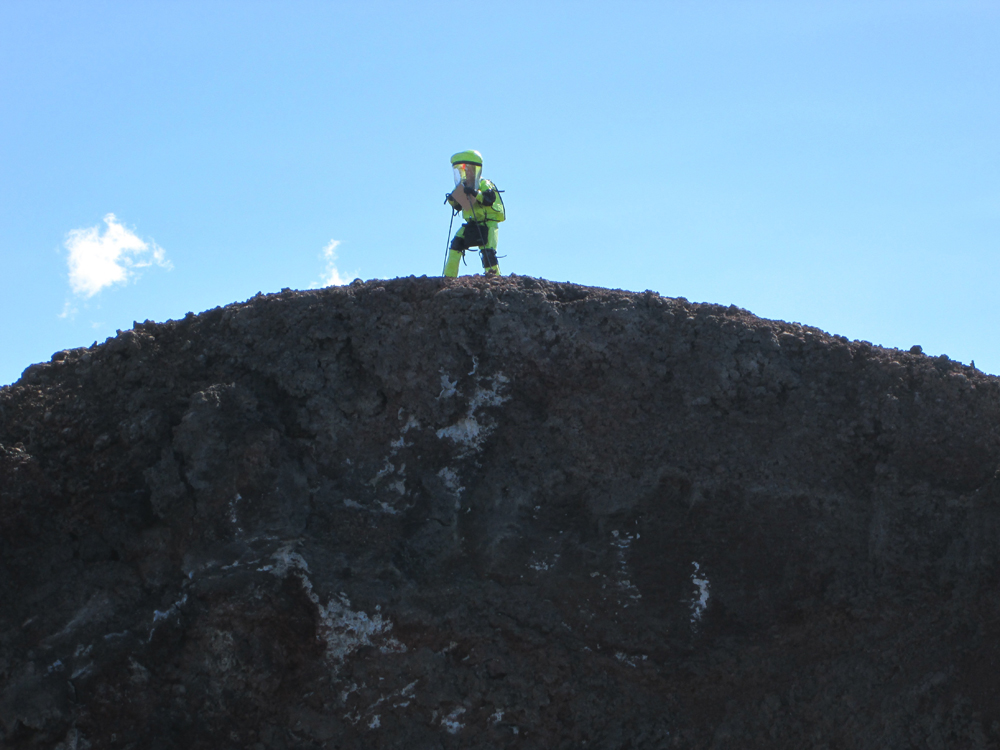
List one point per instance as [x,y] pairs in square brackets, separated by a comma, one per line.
[486,195]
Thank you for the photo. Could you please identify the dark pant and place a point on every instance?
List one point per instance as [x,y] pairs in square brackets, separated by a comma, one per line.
[471,234]
[476,234]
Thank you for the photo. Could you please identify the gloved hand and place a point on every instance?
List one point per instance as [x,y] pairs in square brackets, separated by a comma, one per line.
[468,190]
[489,197]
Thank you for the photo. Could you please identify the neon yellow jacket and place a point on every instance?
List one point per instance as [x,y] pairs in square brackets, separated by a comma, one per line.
[488,205]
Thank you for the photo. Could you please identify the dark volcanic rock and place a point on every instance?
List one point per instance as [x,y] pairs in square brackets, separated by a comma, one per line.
[483,513]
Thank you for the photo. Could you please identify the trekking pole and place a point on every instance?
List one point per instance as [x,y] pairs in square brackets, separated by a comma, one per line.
[447,243]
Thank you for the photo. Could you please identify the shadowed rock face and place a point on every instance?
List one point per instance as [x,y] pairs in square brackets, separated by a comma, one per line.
[483,513]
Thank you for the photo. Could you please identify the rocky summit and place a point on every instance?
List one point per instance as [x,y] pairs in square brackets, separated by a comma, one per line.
[497,513]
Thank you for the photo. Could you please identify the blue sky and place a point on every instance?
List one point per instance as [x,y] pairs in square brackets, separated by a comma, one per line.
[829,163]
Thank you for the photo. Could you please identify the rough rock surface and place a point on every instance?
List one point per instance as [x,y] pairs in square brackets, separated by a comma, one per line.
[485,513]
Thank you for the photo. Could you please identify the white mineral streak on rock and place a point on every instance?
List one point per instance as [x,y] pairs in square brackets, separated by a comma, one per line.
[411,423]
[237,564]
[172,610]
[345,694]
[375,720]
[467,431]
[700,601]
[541,565]
[625,658]
[342,629]
[286,559]
[233,518]
[392,646]
[406,692]
[452,484]
[386,469]
[447,387]
[158,615]
[451,480]
[630,660]
[97,608]
[497,716]
[222,647]
[622,542]
[490,396]
[398,486]
[451,723]
[140,675]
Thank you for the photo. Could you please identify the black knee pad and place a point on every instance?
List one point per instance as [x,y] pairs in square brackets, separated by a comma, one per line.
[489,256]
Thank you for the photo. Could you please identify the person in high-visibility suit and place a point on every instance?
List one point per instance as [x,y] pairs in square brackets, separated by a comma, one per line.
[483,211]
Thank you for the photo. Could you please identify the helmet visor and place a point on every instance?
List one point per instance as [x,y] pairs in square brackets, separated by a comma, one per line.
[467,174]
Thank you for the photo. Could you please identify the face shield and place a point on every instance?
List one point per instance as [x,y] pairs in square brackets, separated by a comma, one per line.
[467,174]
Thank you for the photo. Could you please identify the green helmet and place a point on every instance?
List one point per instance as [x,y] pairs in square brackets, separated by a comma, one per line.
[467,157]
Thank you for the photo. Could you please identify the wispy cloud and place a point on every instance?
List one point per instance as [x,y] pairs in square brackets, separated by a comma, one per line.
[98,260]
[331,276]
[69,310]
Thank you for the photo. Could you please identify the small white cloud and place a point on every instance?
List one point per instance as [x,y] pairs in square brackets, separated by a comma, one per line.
[69,310]
[99,260]
[331,277]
